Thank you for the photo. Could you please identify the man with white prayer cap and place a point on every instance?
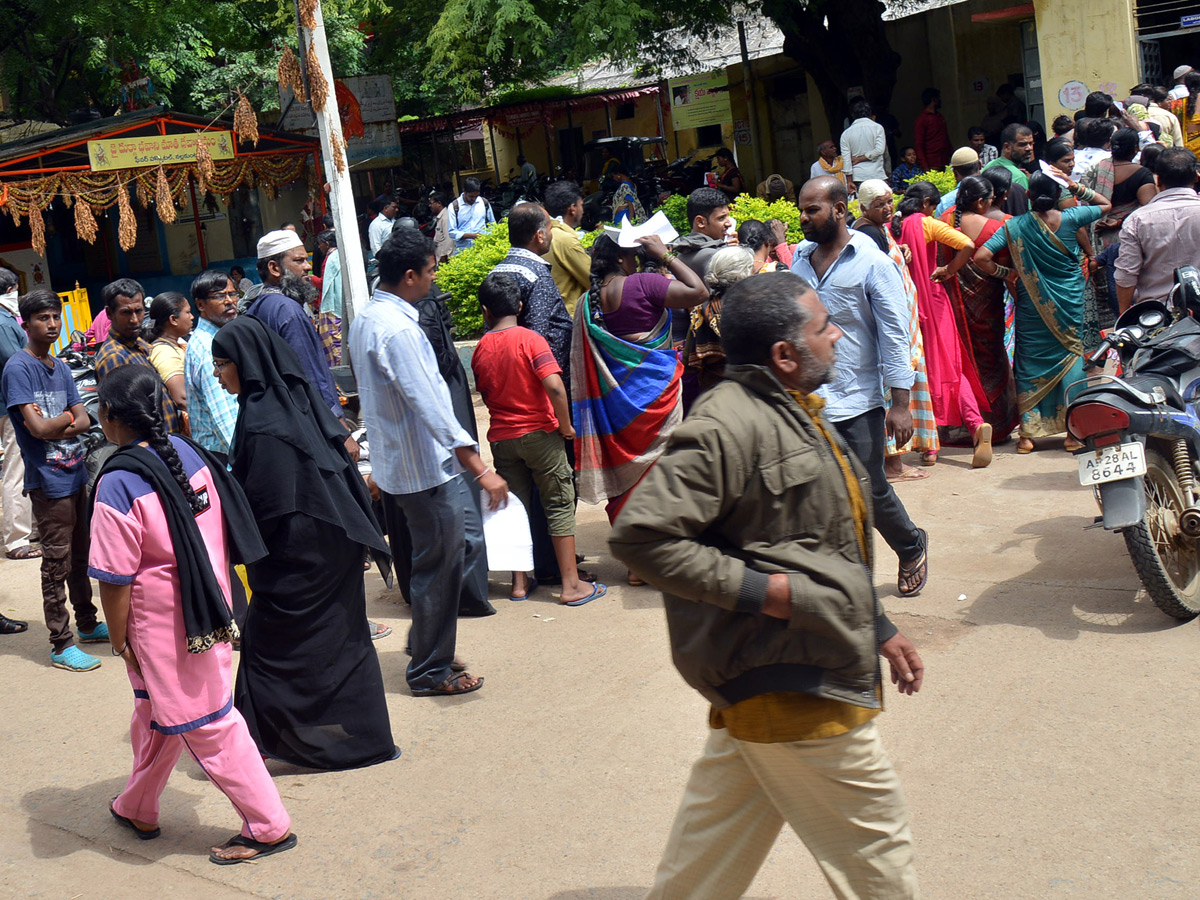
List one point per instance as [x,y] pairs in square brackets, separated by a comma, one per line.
[284,268]
[1179,91]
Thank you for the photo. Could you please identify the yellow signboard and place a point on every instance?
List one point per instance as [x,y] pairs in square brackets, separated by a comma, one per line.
[156,150]
[700,100]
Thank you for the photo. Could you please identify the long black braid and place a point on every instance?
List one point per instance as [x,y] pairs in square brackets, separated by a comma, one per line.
[133,396]
[970,191]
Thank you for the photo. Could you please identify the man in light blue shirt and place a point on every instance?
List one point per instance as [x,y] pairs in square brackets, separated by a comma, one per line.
[864,292]
[419,454]
[212,411]
[469,215]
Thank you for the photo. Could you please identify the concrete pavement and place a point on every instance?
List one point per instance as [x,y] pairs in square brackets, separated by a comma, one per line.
[1047,756]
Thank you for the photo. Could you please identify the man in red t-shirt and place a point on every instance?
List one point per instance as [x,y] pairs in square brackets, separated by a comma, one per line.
[522,385]
[931,137]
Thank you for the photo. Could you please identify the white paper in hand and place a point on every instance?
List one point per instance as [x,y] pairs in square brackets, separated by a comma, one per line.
[506,533]
[1054,173]
[627,235]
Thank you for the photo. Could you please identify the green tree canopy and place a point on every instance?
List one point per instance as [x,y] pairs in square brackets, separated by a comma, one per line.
[68,59]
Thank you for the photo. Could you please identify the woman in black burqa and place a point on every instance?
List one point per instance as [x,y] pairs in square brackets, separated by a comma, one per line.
[309,684]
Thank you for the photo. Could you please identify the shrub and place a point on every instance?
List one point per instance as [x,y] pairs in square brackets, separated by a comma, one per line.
[942,179]
[675,209]
[463,273]
[746,207]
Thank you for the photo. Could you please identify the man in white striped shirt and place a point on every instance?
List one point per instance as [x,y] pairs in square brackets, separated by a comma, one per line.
[421,456]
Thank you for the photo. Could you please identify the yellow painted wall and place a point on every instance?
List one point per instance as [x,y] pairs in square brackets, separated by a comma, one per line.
[1091,41]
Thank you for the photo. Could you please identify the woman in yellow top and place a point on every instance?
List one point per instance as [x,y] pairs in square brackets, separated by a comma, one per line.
[954,384]
[170,324]
[1188,111]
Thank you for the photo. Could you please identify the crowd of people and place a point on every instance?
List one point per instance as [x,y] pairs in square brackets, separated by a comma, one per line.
[743,407]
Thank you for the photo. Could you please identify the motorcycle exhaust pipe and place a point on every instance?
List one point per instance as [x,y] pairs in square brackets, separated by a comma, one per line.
[1189,522]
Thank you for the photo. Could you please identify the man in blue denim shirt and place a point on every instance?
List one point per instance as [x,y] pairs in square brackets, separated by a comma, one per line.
[864,293]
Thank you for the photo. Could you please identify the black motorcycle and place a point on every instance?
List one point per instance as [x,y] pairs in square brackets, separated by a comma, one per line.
[1141,436]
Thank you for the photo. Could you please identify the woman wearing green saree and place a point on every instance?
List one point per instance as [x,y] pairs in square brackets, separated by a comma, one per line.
[1049,313]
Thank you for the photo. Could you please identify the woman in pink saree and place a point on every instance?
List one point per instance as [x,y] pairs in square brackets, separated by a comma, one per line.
[954,384]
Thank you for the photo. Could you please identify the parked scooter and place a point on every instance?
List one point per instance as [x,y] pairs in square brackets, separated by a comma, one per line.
[1141,435]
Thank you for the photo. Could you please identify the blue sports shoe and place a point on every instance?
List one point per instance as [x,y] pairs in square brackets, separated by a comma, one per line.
[74,660]
[97,635]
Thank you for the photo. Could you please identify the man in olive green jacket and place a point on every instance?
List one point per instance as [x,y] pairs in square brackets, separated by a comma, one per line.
[755,524]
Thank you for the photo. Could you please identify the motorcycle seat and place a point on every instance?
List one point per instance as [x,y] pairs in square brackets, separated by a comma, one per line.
[1169,389]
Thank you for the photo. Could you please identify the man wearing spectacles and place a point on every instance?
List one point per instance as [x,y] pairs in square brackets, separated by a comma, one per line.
[213,412]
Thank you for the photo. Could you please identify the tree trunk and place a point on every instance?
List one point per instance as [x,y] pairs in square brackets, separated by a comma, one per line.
[841,44]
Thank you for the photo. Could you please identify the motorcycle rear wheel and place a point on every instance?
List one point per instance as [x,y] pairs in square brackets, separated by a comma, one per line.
[1166,560]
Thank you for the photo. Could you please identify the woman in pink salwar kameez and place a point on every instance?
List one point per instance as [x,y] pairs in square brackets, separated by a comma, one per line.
[958,394]
[165,518]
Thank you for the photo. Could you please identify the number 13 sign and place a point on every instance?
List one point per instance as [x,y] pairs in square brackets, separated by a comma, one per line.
[1072,95]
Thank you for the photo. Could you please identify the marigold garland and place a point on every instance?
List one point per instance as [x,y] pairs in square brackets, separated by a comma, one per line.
[127,226]
[288,74]
[308,14]
[37,228]
[163,203]
[204,163]
[97,191]
[143,193]
[85,221]
[245,123]
[317,84]
[336,143]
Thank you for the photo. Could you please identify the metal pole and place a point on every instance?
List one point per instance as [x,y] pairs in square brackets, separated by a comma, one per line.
[454,157]
[495,159]
[751,104]
[329,124]
[196,222]
[608,116]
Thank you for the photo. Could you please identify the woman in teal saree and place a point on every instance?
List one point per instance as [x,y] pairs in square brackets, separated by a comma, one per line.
[1049,309]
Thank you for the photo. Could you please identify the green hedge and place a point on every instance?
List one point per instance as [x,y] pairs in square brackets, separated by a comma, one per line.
[463,273]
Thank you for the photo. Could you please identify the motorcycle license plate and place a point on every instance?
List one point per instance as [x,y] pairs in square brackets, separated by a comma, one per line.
[1112,464]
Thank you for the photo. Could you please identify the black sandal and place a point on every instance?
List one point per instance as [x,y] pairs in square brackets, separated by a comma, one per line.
[260,849]
[142,833]
[12,626]
[451,687]
[918,567]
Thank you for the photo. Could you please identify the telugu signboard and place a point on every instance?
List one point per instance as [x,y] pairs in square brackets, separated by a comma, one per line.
[373,94]
[368,112]
[700,100]
[156,150]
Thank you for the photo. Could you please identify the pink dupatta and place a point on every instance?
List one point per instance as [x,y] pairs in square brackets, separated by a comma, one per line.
[945,356]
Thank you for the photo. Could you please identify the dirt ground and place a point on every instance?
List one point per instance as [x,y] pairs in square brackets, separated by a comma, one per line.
[1045,757]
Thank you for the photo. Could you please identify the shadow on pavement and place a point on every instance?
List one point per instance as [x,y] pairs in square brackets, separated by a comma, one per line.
[33,645]
[60,820]
[1077,585]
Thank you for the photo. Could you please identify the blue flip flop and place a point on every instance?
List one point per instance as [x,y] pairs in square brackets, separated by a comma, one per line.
[598,590]
[533,586]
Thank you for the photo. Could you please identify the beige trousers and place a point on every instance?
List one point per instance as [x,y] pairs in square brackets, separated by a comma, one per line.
[840,795]
[18,516]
